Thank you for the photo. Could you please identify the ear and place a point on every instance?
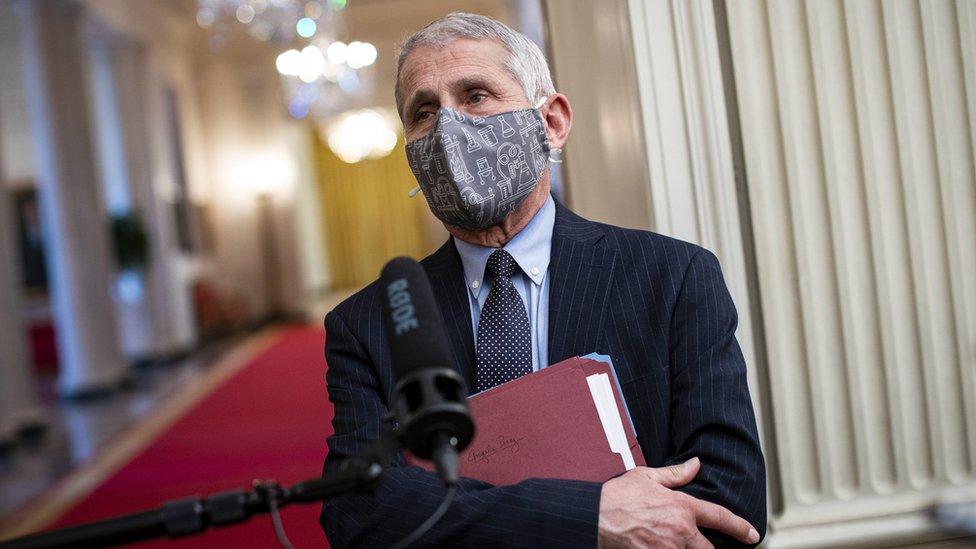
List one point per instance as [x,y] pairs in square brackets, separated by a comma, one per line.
[558,116]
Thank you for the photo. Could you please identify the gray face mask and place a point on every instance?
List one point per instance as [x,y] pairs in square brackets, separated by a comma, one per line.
[474,171]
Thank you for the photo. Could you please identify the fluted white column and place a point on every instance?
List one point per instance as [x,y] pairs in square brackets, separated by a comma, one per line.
[858,197]
[688,152]
[168,302]
[149,326]
[72,207]
[18,408]
[167,284]
[858,135]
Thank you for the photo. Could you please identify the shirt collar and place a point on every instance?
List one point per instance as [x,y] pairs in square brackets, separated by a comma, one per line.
[530,248]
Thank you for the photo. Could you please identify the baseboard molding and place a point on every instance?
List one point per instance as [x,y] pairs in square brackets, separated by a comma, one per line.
[916,529]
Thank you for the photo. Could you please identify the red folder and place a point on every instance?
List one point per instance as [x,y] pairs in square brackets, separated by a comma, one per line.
[547,425]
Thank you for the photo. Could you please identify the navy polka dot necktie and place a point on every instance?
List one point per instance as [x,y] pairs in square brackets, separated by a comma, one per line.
[504,339]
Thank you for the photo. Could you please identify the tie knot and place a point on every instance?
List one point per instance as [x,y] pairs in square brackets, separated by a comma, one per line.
[501,264]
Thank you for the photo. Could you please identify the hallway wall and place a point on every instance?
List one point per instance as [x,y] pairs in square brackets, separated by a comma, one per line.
[167,147]
[369,217]
[17,166]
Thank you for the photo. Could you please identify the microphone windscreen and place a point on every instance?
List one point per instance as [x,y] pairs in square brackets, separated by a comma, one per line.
[412,319]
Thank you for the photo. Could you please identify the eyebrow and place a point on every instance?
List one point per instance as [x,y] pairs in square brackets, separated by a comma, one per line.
[469,82]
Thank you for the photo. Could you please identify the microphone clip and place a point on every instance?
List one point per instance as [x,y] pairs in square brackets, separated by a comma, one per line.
[434,421]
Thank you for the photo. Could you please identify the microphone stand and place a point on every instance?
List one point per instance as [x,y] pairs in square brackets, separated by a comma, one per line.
[356,475]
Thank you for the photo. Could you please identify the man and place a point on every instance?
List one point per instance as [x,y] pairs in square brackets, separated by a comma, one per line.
[522,283]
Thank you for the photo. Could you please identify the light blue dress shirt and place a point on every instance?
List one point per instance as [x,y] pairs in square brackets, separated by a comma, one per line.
[531,249]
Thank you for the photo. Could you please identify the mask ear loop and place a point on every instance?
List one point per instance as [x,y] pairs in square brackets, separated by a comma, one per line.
[555,155]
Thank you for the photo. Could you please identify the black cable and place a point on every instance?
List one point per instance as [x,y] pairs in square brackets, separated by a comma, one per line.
[430,522]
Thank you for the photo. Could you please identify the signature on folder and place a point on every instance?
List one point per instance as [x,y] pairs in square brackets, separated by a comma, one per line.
[484,454]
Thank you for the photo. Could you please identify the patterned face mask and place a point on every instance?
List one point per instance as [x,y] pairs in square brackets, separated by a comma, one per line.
[474,171]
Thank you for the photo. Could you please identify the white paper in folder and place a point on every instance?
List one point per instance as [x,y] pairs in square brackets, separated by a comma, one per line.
[613,426]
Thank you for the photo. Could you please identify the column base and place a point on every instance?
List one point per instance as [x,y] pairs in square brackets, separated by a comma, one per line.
[165,358]
[101,385]
[25,423]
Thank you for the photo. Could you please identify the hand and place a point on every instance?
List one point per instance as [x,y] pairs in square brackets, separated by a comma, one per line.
[641,509]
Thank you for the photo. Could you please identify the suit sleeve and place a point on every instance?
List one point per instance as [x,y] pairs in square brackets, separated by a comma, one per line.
[712,415]
[533,513]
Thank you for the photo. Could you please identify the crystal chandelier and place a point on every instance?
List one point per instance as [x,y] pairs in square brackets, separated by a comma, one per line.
[322,77]
[281,21]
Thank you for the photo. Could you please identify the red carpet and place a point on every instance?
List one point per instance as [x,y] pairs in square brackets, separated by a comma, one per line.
[270,420]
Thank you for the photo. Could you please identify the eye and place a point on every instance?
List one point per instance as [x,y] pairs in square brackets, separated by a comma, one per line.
[422,115]
[477,97]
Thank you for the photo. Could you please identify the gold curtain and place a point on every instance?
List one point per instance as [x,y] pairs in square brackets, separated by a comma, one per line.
[369,219]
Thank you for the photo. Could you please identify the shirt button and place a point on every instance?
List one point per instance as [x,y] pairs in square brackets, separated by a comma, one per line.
[475,284]
[534,271]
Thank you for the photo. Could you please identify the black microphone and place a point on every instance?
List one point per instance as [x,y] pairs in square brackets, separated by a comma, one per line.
[430,398]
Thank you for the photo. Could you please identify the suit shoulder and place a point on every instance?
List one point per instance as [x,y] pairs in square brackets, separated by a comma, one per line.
[365,302]
[357,307]
[641,245]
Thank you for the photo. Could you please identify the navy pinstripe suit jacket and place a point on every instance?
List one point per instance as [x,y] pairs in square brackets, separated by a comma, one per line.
[658,306]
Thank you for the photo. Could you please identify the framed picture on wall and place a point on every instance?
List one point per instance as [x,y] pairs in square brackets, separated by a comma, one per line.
[30,239]
[182,210]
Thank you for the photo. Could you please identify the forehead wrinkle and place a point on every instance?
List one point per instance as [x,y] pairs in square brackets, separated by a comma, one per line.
[475,68]
[413,75]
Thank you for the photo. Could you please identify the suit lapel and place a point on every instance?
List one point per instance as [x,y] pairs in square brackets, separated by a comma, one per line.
[581,272]
[447,279]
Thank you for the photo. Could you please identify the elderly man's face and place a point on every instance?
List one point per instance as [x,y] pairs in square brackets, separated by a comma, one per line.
[467,75]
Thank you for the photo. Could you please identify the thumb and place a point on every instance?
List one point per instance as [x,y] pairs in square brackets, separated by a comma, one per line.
[675,476]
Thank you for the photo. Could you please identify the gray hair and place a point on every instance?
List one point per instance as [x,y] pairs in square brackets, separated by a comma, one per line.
[526,63]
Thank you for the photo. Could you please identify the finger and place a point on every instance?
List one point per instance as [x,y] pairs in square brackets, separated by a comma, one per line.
[699,542]
[719,518]
[675,476]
